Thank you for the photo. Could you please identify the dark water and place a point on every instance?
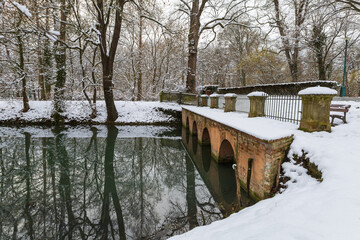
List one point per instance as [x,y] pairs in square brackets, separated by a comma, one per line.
[106,184]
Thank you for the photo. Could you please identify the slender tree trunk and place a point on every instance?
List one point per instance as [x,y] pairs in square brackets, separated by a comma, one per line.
[139,85]
[94,77]
[40,60]
[25,98]
[108,55]
[60,58]
[46,59]
[193,40]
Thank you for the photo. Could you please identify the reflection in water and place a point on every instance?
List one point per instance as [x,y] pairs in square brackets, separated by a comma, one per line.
[220,179]
[58,186]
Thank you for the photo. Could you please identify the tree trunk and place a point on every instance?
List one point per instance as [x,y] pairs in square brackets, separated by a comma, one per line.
[108,70]
[25,98]
[193,40]
[60,58]
[139,85]
[108,56]
[40,60]
[47,63]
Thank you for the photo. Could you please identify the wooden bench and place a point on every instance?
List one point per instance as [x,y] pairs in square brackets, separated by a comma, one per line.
[341,108]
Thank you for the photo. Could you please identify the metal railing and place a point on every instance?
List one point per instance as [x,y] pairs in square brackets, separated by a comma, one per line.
[285,108]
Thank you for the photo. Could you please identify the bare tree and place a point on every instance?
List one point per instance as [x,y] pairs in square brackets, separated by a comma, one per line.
[104,14]
[195,10]
[290,37]
[351,4]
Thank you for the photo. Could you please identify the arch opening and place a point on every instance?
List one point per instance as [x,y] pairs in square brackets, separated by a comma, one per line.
[194,129]
[205,139]
[226,153]
[187,123]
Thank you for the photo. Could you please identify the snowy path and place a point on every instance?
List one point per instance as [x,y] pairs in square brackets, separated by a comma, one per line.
[307,209]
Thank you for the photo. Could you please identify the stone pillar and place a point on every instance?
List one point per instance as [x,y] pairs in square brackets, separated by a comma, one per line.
[257,104]
[204,100]
[214,100]
[230,102]
[316,108]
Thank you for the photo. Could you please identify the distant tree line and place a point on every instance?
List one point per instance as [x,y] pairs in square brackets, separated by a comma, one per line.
[132,49]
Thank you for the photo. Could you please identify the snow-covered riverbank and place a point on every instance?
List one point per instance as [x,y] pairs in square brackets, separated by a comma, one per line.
[307,209]
[79,112]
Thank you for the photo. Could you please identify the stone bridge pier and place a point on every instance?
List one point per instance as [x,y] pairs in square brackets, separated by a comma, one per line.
[257,161]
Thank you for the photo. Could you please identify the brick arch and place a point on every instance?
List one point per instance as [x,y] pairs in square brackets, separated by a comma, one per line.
[205,137]
[194,130]
[226,152]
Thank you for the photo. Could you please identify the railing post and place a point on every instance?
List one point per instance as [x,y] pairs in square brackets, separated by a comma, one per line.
[204,100]
[180,98]
[257,104]
[230,102]
[316,108]
[214,100]
[161,96]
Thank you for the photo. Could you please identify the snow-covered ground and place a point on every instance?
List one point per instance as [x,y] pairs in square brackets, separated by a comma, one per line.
[129,112]
[307,209]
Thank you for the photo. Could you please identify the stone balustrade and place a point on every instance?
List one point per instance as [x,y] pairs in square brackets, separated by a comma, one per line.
[257,104]
[214,100]
[316,108]
[230,102]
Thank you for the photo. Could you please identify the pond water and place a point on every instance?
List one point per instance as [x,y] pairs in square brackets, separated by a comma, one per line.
[110,183]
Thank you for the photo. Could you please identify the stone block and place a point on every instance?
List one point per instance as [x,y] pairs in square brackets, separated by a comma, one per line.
[204,100]
[230,102]
[257,104]
[214,100]
[315,114]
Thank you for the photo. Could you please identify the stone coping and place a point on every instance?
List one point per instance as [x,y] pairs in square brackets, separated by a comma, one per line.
[318,91]
[258,94]
[230,95]
[261,128]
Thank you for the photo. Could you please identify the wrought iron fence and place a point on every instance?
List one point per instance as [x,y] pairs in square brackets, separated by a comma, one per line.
[285,108]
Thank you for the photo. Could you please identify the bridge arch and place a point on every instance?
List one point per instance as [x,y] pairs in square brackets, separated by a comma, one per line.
[205,137]
[194,129]
[226,152]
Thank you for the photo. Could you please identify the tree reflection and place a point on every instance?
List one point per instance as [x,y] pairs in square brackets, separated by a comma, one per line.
[93,187]
[110,189]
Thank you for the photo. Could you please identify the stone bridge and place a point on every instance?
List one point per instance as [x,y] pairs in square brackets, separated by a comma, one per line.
[257,161]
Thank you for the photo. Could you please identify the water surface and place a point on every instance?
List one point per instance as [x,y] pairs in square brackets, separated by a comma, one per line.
[109,183]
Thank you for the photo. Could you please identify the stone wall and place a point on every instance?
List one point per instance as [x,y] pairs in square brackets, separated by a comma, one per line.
[280,88]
